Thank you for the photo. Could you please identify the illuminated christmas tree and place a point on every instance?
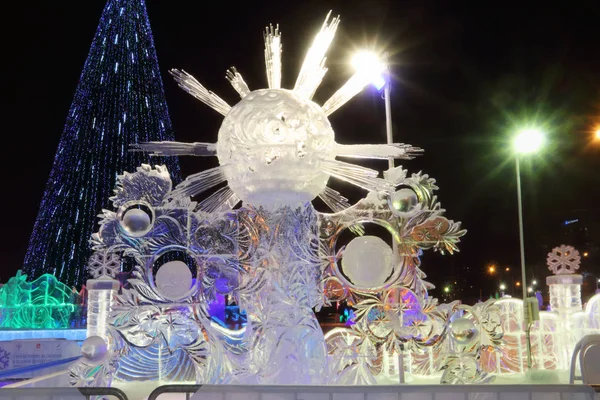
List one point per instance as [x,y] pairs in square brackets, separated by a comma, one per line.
[119,101]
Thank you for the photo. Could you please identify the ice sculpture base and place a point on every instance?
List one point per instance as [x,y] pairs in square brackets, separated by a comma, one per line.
[570,279]
[21,334]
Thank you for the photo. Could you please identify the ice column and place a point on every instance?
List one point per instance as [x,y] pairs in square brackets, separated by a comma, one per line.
[100,298]
[565,297]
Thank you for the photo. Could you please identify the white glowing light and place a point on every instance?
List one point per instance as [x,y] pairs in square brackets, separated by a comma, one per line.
[370,66]
[528,141]
[503,287]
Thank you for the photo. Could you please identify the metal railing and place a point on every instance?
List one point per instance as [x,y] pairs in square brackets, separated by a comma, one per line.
[400,392]
[188,390]
[53,393]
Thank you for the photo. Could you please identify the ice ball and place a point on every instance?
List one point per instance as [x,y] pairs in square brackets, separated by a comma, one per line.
[463,330]
[367,261]
[174,279]
[136,222]
[272,145]
[404,200]
[94,350]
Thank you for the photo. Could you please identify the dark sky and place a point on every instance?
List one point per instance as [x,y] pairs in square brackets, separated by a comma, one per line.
[466,75]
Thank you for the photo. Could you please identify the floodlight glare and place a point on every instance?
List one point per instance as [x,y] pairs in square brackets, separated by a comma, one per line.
[528,141]
[368,64]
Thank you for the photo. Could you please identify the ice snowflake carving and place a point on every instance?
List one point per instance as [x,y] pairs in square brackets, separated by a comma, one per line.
[4,359]
[563,260]
[104,264]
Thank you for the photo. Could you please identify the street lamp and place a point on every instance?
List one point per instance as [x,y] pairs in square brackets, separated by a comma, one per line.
[527,141]
[372,69]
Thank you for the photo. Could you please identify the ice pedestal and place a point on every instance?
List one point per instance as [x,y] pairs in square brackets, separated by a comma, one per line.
[286,341]
[565,293]
[100,297]
[565,300]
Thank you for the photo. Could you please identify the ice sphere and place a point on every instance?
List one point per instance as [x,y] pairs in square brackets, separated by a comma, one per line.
[271,145]
[174,279]
[367,261]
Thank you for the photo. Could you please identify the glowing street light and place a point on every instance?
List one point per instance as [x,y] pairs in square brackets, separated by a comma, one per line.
[447,289]
[502,287]
[370,67]
[597,135]
[518,283]
[534,282]
[529,289]
[585,254]
[527,141]
[491,269]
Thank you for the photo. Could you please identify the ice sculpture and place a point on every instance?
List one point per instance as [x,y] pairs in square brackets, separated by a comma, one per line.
[276,147]
[277,257]
[44,303]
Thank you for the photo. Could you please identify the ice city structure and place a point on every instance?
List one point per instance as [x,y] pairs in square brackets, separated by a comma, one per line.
[279,259]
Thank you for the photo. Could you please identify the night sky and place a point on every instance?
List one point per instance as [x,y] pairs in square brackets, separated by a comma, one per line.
[466,76]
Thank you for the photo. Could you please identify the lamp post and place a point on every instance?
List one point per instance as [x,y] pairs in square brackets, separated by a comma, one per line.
[527,141]
[376,71]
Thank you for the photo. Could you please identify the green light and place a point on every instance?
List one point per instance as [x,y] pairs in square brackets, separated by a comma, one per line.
[447,289]
[44,303]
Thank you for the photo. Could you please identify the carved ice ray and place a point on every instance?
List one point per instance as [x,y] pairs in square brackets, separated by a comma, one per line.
[313,69]
[238,83]
[223,199]
[168,148]
[200,182]
[338,203]
[365,178]
[376,151]
[334,200]
[351,88]
[188,83]
[273,56]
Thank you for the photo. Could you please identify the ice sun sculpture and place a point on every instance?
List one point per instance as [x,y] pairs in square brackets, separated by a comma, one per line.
[276,147]
[277,257]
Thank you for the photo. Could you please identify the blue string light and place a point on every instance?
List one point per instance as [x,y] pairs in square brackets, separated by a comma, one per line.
[119,100]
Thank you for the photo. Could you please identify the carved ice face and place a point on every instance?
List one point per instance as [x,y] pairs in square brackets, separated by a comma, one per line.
[271,145]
